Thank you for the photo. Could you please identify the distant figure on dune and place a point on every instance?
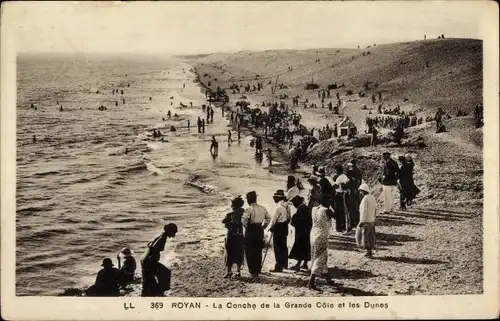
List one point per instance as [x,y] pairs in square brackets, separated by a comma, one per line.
[61,108]
[169,114]
[121,91]
[150,98]
[128,85]
[116,103]
[34,138]
[214,148]
[189,125]
[425,37]
[123,101]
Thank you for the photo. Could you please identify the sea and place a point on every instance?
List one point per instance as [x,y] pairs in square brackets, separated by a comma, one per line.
[91,182]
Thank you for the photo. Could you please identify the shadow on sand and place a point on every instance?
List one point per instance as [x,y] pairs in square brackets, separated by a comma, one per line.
[408,260]
[432,214]
[354,274]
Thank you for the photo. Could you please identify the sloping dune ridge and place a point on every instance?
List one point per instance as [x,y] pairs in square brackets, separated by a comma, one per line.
[453,78]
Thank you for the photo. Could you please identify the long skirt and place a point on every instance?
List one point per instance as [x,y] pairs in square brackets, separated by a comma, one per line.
[235,249]
[365,236]
[301,249]
[340,212]
[156,279]
[319,252]
[280,233]
[254,243]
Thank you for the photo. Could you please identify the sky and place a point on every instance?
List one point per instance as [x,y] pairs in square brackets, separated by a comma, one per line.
[206,27]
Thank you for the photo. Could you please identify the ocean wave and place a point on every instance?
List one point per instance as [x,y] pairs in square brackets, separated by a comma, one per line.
[51,232]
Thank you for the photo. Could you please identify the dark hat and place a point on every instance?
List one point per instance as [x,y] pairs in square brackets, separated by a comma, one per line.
[321,171]
[386,153]
[297,199]
[279,193]
[251,194]
[126,251]
[107,262]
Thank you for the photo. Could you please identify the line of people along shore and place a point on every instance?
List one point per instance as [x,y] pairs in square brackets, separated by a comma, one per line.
[345,206]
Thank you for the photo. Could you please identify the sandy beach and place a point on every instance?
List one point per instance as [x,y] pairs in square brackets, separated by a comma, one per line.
[433,248]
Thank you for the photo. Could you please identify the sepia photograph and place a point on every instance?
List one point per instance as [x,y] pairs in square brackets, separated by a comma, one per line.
[249,150]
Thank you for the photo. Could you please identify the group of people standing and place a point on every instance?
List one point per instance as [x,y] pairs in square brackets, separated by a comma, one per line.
[348,202]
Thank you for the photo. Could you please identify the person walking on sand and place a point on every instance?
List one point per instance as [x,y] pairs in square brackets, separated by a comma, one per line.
[235,241]
[156,277]
[279,229]
[320,232]
[198,123]
[365,232]
[214,148]
[229,139]
[390,176]
[254,220]
[302,222]
[189,125]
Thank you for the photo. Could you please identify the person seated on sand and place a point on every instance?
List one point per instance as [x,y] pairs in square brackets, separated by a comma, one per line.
[235,241]
[176,116]
[108,281]
[156,277]
[61,108]
[129,265]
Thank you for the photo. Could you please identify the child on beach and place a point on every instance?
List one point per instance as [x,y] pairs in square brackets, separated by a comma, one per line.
[365,232]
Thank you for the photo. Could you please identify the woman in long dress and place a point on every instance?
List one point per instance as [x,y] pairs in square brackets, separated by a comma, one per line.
[301,221]
[321,216]
[234,242]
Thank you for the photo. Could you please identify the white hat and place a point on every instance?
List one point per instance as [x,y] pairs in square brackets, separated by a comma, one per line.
[364,187]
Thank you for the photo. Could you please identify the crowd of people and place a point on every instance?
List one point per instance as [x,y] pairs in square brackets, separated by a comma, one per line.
[347,203]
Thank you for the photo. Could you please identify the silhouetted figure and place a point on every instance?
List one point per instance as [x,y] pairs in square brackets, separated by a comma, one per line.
[34,138]
[108,281]
[214,147]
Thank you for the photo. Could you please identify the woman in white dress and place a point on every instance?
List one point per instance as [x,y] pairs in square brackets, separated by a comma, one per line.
[321,216]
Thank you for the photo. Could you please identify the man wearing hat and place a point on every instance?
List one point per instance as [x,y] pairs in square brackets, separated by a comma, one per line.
[325,185]
[254,219]
[365,232]
[108,280]
[389,181]
[279,227]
